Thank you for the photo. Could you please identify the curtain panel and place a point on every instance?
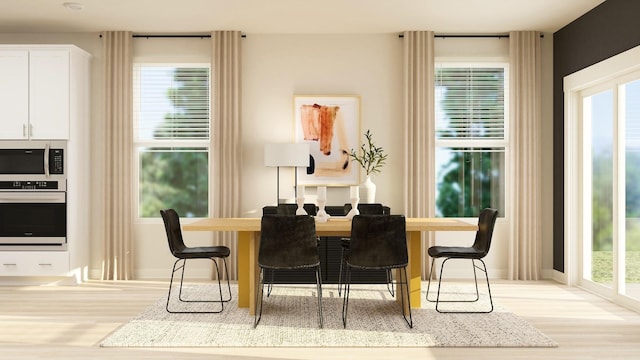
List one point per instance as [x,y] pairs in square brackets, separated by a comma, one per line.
[525,119]
[226,150]
[419,126]
[117,263]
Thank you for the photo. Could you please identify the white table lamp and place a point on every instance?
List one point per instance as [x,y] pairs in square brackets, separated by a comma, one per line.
[286,155]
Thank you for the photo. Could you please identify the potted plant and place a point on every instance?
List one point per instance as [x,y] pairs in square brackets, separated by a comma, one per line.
[371,158]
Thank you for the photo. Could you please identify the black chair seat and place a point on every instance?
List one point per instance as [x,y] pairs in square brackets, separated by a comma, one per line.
[455,252]
[203,252]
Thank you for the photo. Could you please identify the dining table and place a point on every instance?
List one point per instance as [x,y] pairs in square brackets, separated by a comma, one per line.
[248,238]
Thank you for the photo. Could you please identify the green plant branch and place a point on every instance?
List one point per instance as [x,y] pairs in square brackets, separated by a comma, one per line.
[371,158]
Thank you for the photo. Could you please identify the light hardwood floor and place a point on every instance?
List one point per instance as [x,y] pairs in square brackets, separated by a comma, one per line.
[68,322]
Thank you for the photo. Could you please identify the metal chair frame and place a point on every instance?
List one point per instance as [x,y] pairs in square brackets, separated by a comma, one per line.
[475,278]
[183,253]
[177,267]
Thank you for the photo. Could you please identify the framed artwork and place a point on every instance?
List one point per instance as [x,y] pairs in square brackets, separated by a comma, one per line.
[331,127]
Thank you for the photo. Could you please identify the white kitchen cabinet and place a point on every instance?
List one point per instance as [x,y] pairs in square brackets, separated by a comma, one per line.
[47,87]
[36,91]
[49,95]
[14,93]
[34,263]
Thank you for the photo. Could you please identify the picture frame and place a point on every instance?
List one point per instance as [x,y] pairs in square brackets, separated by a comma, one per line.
[331,127]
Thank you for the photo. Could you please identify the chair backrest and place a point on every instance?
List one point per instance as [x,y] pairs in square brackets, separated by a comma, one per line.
[174,232]
[486,223]
[288,241]
[290,209]
[367,208]
[378,241]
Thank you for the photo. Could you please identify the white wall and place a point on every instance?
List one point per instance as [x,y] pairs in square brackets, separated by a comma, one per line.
[275,68]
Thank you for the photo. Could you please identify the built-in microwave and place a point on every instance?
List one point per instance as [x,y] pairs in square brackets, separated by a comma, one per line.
[33,165]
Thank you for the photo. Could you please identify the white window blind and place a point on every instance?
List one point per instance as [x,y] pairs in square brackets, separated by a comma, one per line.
[632,115]
[171,102]
[472,103]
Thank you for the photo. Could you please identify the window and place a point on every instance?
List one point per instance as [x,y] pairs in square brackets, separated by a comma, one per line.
[471,138]
[171,138]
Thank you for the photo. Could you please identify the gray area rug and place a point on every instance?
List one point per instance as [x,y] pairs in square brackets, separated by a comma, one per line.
[290,319]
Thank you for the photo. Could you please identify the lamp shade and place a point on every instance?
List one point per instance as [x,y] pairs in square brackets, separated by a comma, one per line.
[286,154]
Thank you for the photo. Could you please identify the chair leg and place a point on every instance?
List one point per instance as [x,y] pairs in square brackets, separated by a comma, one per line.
[433,261]
[390,283]
[226,270]
[270,284]
[319,291]
[259,294]
[177,267]
[405,288]
[484,269]
[345,299]
[342,268]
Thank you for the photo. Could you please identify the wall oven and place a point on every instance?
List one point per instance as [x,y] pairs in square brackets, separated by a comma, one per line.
[33,198]
[33,220]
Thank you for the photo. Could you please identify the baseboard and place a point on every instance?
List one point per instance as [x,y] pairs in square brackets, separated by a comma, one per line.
[559,277]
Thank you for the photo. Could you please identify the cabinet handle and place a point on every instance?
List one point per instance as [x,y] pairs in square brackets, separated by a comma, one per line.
[46,264]
[9,264]
[30,130]
[24,130]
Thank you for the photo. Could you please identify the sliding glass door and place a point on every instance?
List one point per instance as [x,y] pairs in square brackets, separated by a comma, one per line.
[611,189]
[630,94]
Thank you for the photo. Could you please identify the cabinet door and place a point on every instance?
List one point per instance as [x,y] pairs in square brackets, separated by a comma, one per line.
[14,94]
[49,94]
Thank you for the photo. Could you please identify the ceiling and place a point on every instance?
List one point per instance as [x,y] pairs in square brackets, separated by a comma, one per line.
[291,16]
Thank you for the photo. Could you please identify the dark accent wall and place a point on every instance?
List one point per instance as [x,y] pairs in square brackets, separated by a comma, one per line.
[607,30]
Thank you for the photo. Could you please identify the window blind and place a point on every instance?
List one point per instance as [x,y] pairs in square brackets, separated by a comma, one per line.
[471,103]
[632,116]
[171,102]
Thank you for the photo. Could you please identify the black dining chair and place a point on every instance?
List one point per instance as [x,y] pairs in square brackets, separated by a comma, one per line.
[378,242]
[288,209]
[287,242]
[475,252]
[363,209]
[184,253]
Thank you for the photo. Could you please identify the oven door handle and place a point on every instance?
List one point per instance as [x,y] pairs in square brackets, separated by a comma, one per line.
[24,197]
[46,160]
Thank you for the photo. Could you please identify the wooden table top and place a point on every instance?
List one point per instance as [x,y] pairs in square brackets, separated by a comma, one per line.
[333,225]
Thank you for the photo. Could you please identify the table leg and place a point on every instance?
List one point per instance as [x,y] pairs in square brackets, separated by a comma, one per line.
[414,271]
[248,275]
[244,244]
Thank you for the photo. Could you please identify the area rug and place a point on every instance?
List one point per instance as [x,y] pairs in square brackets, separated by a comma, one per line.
[289,319]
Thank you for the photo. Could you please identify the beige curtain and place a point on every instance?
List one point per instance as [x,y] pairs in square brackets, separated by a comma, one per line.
[525,231]
[419,127]
[117,193]
[226,134]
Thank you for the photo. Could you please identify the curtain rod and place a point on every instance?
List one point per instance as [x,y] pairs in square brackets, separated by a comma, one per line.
[442,36]
[176,36]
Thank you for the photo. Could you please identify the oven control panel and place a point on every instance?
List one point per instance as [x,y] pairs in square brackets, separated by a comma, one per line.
[29,185]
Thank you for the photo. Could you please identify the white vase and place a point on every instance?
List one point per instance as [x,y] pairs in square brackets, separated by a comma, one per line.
[368,191]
